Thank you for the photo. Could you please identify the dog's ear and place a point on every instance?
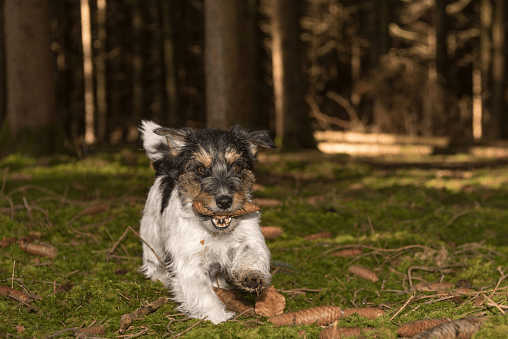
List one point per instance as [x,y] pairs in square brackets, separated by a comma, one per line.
[158,141]
[255,138]
[176,138]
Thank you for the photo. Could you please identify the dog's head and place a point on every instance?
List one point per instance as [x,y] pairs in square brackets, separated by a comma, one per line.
[212,169]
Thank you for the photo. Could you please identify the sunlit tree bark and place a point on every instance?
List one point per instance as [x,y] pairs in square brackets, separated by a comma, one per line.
[86,39]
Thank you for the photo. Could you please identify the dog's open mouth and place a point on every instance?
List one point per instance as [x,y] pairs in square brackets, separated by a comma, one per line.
[221,220]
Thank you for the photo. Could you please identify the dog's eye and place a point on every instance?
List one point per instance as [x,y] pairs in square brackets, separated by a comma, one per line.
[236,168]
[201,170]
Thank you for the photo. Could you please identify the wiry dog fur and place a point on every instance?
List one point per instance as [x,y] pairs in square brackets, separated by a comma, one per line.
[191,252]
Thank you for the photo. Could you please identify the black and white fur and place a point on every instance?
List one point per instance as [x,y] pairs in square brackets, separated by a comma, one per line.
[191,253]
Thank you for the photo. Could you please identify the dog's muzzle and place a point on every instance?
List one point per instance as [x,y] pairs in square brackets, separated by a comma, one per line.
[221,220]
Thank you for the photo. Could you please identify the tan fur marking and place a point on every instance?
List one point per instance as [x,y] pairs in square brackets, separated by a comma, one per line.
[203,157]
[240,197]
[231,156]
[190,187]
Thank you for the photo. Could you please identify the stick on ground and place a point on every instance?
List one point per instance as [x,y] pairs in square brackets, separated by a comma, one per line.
[127,319]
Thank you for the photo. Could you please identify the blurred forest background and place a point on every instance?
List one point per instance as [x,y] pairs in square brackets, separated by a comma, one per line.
[75,73]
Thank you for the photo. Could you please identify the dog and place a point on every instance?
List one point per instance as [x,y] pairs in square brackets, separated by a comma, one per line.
[199,227]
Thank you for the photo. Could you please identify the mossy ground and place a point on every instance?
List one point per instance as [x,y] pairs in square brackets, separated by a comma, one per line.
[457,216]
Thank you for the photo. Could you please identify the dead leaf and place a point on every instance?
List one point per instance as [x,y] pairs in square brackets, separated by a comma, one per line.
[270,303]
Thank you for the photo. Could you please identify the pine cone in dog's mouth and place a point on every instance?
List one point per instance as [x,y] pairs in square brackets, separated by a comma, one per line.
[222,220]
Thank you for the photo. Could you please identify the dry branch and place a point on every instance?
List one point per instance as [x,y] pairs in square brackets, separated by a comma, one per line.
[413,328]
[321,315]
[363,272]
[234,302]
[367,312]
[127,319]
[248,208]
[461,328]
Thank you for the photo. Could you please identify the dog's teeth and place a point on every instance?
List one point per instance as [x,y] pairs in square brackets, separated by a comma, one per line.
[221,222]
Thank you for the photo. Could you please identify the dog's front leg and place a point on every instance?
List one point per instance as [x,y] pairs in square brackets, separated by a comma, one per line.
[193,290]
[251,267]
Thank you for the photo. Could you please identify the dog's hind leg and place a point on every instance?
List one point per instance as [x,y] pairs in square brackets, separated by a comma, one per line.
[155,258]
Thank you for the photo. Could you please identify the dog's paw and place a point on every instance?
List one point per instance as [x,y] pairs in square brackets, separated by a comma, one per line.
[253,281]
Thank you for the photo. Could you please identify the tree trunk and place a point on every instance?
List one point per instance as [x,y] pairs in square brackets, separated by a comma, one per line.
[137,62]
[3,108]
[171,80]
[498,71]
[486,62]
[248,48]
[156,65]
[379,19]
[100,72]
[223,78]
[441,42]
[86,38]
[29,69]
[291,113]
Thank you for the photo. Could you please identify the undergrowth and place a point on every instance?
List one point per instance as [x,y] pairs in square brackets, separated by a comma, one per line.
[414,223]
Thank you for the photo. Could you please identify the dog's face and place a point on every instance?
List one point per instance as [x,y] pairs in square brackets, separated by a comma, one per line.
[212,169]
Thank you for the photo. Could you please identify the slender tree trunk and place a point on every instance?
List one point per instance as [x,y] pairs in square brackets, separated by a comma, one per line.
[100,72]
[379,19]
[486,62]
[441,41]
[29,66]
[248,48]
[223,82]
[171,84]
[156,80]
[291,113]
[137,61]
[86,39]
[3,107]
[498,71]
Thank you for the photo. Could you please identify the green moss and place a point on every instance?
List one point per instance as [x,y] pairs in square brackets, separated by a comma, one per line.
[459,224]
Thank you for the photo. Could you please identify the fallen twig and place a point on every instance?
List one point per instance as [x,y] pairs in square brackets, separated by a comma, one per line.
[187,330]
[116,244]
[127,319]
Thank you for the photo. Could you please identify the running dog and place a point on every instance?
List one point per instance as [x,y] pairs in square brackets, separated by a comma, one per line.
[199,226]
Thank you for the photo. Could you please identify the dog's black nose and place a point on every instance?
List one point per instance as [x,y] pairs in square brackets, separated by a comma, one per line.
[224,201]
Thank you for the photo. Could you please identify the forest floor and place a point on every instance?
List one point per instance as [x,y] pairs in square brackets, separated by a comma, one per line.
[413,222]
